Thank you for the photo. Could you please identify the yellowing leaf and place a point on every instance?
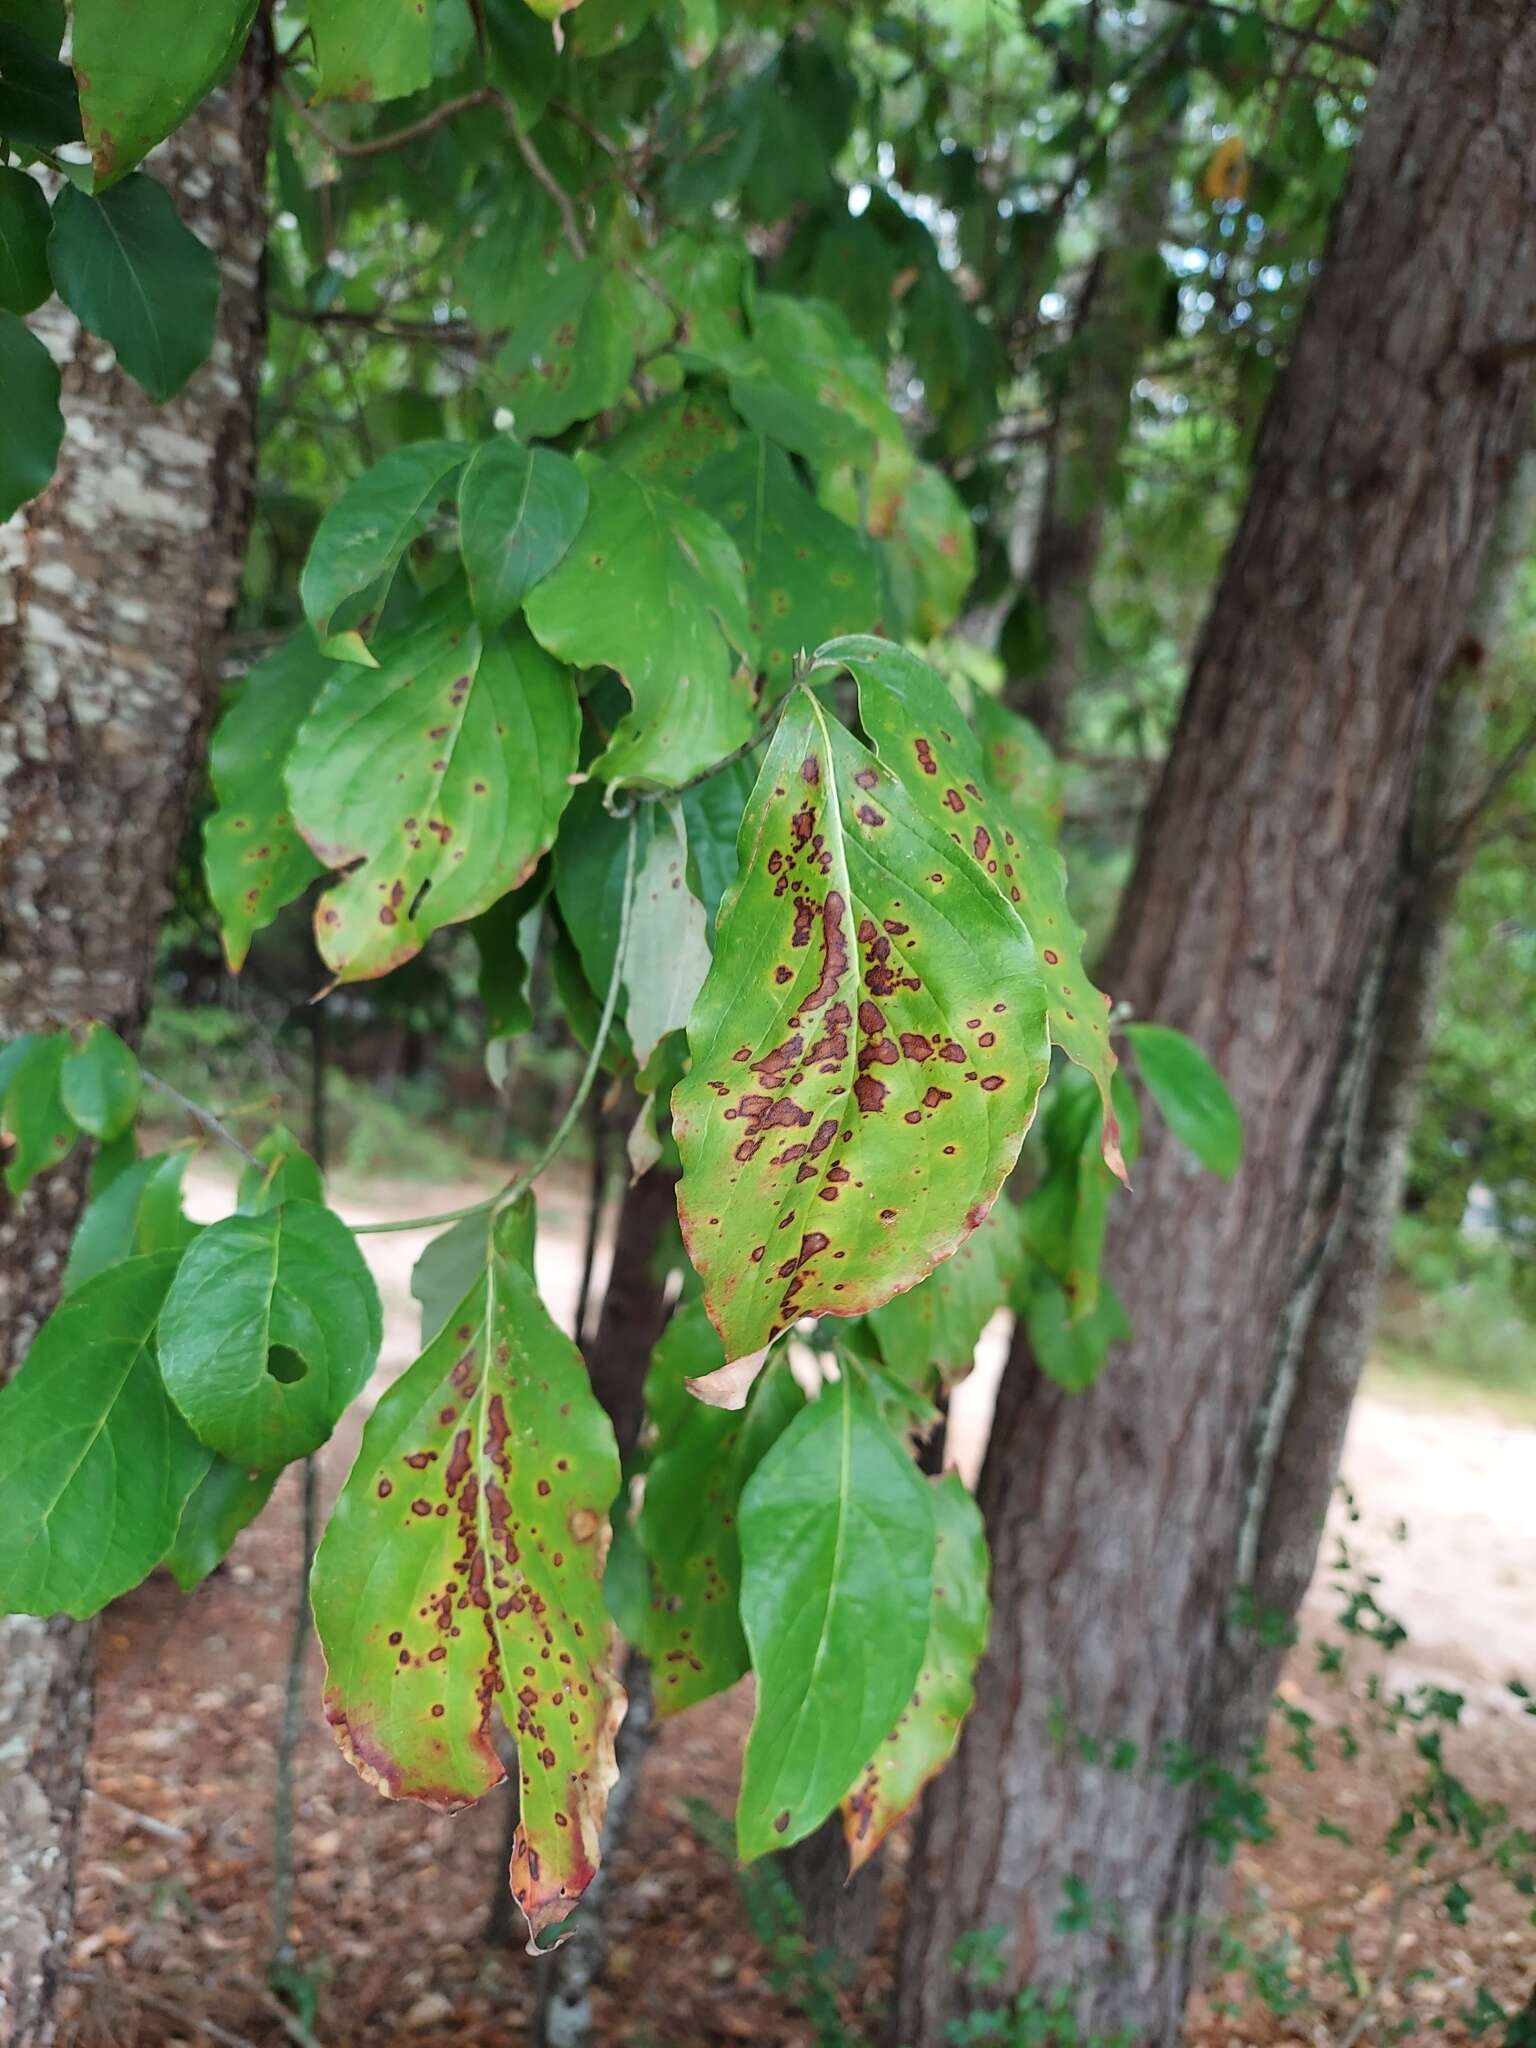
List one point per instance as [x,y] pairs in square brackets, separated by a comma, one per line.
[1225,178]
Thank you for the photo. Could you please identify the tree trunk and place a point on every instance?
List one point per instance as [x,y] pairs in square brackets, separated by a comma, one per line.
[1117,321]
[114,590]
[1116,1515]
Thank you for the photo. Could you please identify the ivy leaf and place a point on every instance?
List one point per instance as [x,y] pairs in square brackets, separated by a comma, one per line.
[837,1545]
[372,49]
[442,773]
[928,1728]
[140,78]
[39,105]
[461,1571]
[930,1333]
[34,425]
[271,1327]
[519,510]
[95,1463]
[99,1083]
[227,1498]
[285,1173]
[667,956]
[917,729]
[1071,1348]
[359,543]
[808,575]
[32,1113]
[1191,1094]
[254,857]
[867,1050]
[24,227]
[131,273]
[138,1213]
[687,1526]
[655,590]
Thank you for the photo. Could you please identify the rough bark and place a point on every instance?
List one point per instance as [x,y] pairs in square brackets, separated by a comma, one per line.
[1115,1516]
[114,590]
[1116,323]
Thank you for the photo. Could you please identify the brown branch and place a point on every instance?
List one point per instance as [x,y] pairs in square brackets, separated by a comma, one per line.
[1498,353]
[90,1980]
[1365,50]
[1463,829]
[543,176]
[447,333]
[377,145]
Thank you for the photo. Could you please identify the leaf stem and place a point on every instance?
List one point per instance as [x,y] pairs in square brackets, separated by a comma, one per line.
[205,1117]
[526,1176]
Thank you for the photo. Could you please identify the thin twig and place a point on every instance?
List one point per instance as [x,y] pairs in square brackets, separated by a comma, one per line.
[543,176]
[1463,828]
[146,1822]
[1365,52]
[90,1980]
[205,1117]
[439,333]
[377,145]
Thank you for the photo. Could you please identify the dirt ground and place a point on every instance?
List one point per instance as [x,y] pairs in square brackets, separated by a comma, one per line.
[391,1903]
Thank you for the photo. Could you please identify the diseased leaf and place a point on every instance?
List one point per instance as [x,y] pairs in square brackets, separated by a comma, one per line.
[1191,1094]
[40,1130]
[461,1572]
[837,1542]
[24,226]
[929,1335]
[668,953]
[95,1463]
[271,1327]
[928,1728]
[918,731]
[867,1050]
[130,272]
[808,575]
[442,773]
[372,49]
[687,1526]
[359,543]
[139,1212]
[656,591]
[34,425]
[1020,767]
[286,1173]
[519,510]
[670,443]
[930,550]
[255,859]
[805,381]
[572,348]
[227,1498]
[142,71]
[99,1083]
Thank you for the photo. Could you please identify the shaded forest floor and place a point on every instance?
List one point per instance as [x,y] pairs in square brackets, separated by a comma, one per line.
[391,1903]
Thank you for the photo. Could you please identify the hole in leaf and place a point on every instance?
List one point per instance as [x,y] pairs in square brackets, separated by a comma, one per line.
[284,1365]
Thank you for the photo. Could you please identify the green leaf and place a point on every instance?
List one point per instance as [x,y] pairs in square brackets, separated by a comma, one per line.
[139,1213]
[254,856]
[655,590]
[805,381]
[142,71]
[687,1526]
[506,937]
[226,1500]
[1070,1348]
[928,1728]
[134,275]
[867,1050]
[589,877]
[808,575]
[930,547]
[461,1571]
[95,1463]
[32,1114]
[42,21]
[372,49]
[918,731]
[1191,1094]
[359,543]
[446,1271]
[271,1328]
[929,1335]
[99,1083]
[572,348]
[519,510]
[442,773]
[837,1545]
[670,443]
[39,105]
[668,953]
[24,228]
[34,425]
[286,1174]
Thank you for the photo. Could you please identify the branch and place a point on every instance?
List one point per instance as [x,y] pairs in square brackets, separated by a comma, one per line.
[543,176]
[1462,830]
[377,145]
[1498,353]
[439,333]
[205,1117]
[1365,50]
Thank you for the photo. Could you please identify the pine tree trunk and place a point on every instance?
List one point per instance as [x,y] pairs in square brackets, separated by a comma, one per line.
[1116,1516]
[114,590]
